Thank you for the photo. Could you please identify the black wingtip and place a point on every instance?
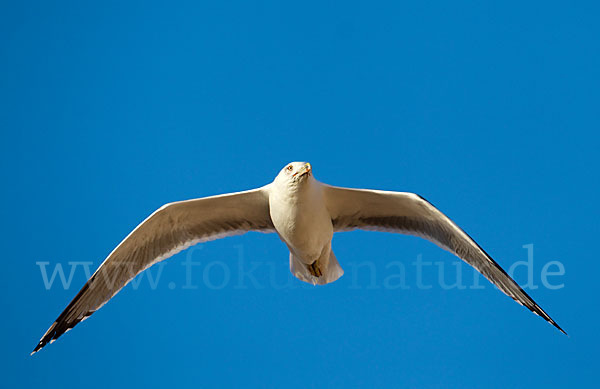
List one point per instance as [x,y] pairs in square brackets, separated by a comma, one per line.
[43,342]
[40,345]
[540,312]
[36,349]
[50,336]
[558,327]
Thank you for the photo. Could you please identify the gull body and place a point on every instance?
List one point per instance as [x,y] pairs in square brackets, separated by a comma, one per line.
[302,220]
[304,212]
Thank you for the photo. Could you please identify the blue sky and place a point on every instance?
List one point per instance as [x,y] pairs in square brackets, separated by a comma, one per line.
[487,109]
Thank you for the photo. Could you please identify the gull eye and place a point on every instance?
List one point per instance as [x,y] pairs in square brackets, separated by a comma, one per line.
[290,168]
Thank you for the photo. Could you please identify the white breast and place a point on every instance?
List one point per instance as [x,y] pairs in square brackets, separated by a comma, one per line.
[302,220]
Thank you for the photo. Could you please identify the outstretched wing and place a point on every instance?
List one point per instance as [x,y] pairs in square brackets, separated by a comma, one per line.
[408,213]
[170,229]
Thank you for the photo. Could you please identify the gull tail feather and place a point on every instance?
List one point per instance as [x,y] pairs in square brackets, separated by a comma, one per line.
[330,270]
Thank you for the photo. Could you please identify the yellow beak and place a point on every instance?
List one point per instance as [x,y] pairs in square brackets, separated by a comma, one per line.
[306,169]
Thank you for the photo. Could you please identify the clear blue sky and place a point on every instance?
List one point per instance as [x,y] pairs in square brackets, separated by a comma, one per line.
[487,109]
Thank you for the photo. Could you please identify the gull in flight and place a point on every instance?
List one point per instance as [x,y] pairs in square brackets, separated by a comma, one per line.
[304,213]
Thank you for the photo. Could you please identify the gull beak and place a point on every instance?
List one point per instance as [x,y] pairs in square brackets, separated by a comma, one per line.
[306,169]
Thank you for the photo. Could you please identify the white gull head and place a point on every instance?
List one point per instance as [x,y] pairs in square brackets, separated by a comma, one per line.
[294,176]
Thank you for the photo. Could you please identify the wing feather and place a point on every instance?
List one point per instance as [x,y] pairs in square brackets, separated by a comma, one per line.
[169,230]
[408,213]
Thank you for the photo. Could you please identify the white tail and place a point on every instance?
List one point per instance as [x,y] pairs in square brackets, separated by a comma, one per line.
[330,269]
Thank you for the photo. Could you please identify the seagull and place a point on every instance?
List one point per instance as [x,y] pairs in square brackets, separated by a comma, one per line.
[304,213]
